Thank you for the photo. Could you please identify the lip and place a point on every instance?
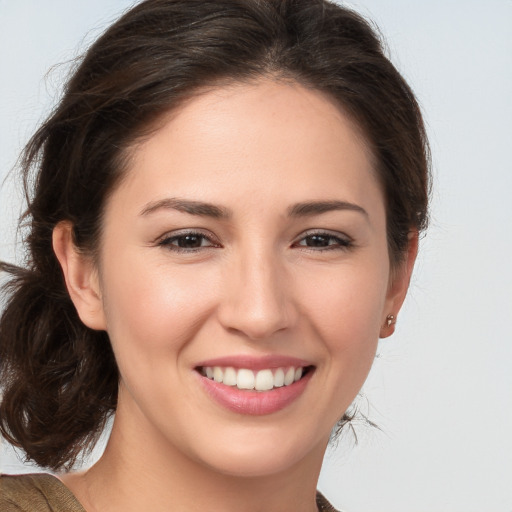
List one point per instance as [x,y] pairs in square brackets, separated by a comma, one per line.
[256,363]
[255,403]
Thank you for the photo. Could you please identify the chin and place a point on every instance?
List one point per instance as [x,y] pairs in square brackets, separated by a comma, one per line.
[263,454]
[256,466]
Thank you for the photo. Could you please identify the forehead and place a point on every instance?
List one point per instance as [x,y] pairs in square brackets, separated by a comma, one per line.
[268,140]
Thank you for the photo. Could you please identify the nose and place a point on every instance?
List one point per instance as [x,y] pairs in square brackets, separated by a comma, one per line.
[257,297]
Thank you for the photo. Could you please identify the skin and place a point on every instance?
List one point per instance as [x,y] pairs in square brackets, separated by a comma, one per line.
[255,287]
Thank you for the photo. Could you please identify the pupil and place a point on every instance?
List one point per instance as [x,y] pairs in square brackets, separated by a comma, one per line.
[189,241]
[318,241]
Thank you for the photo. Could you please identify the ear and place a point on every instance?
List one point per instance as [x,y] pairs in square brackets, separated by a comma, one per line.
[81,277]
[398,285]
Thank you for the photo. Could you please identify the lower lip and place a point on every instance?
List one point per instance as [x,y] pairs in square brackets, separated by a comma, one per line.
[255,403]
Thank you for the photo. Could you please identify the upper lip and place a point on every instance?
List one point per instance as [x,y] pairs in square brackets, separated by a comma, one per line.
[255,362]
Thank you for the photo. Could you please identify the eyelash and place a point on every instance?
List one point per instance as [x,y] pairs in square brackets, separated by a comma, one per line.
[168,242]
[340,242]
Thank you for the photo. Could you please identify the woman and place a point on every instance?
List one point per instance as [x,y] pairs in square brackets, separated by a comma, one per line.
[225,219]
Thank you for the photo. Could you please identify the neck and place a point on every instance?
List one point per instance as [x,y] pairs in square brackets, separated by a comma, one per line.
[147,474]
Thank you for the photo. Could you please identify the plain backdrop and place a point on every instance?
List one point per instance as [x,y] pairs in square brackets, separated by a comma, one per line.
[441,388]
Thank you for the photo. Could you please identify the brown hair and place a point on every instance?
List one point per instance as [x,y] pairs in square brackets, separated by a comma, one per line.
[59,378]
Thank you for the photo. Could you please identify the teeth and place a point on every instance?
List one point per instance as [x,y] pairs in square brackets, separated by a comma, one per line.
[244,379]
[218,374]
[230,377]
[263,380]
[279,378]
[289,376]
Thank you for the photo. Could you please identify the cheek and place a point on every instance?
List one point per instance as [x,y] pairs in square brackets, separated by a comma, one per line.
[346,310]
[152,309]
[348,299]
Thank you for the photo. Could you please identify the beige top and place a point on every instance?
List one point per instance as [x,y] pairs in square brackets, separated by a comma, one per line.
[36,493]
[46,493]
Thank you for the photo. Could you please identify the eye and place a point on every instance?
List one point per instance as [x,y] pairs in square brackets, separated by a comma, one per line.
[188,241]
[321,241]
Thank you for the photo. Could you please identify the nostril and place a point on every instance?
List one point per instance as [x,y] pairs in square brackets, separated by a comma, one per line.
[254,304]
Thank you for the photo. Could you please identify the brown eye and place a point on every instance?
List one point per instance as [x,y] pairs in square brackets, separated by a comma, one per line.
[318,241]
[188,241]
[324,241]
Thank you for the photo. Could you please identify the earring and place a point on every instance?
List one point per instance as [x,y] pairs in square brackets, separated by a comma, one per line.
[390,320]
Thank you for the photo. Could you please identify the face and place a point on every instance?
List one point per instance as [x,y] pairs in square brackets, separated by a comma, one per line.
[244,277]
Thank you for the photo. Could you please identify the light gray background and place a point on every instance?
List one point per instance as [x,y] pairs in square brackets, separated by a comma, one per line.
[441,390]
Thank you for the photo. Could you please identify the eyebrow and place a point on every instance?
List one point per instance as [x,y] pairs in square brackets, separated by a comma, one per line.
[186,206]
[305,209]
[311,208]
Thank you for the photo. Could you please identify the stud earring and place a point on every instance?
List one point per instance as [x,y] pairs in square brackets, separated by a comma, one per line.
[390,320]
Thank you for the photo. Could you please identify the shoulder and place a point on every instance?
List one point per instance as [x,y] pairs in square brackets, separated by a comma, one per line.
[36,493]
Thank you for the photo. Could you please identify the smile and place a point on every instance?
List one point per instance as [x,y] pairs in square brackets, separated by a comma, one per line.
[246,379]
[258,386]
